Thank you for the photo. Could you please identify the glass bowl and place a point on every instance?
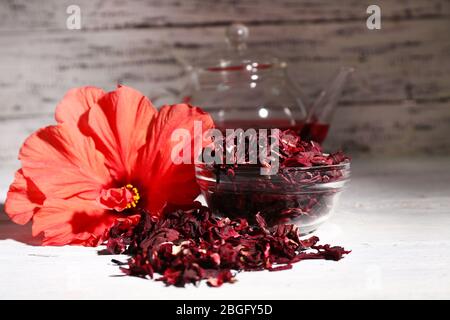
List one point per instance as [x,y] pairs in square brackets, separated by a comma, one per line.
[302,196]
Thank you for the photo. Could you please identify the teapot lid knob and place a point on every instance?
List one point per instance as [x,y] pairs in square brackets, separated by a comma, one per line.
[237,35]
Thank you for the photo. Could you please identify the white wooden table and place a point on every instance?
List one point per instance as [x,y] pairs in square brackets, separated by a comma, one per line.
[395,216]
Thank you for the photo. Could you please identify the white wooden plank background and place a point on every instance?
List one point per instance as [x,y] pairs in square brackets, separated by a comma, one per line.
[397,102]
[115,14]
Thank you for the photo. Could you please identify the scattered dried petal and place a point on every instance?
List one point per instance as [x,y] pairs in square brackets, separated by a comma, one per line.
[187,246]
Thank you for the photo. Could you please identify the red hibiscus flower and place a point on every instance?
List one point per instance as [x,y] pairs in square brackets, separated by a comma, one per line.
[108,154]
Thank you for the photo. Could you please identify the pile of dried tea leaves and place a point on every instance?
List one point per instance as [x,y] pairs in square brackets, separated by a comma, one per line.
[187,246]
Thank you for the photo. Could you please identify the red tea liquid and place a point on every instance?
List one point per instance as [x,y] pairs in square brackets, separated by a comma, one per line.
[314,131]
[260,124]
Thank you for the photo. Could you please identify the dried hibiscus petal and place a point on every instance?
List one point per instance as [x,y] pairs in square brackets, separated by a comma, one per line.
[301,191]
[187,246]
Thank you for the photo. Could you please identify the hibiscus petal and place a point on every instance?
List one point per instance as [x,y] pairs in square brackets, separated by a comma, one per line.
[119,124]
[23,199]
[165,182]
[72,221]
[63,163]
[77,102]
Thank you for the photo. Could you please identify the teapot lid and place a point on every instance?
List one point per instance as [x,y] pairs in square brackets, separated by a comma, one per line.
[236,56]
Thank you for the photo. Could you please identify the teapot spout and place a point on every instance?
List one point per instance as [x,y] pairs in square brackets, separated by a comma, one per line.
[323,108]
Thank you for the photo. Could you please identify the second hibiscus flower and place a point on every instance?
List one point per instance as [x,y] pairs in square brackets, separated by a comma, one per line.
[108,154]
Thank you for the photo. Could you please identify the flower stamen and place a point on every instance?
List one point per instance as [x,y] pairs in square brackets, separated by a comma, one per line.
[119,199]
[135,196]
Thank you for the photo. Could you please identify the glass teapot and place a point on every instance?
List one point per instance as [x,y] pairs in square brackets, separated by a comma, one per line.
[242,88]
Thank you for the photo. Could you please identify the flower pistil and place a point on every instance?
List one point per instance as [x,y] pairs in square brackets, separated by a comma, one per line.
[119,199]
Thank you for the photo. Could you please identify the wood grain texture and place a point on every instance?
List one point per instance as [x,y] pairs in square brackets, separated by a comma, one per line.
[115,14]
[405,63]
[405,128]
[392,65]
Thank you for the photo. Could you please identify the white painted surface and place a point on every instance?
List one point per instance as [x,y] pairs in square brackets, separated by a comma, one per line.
[395,216]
